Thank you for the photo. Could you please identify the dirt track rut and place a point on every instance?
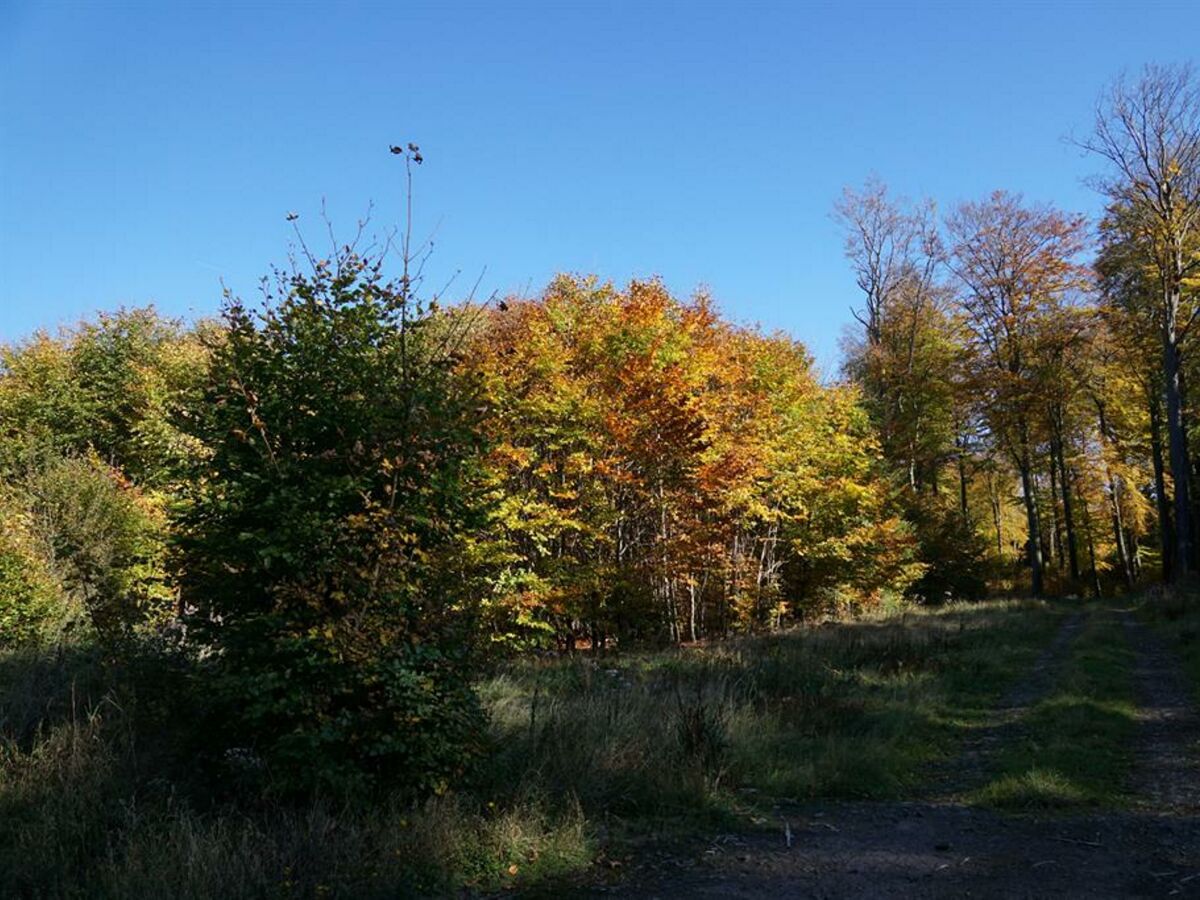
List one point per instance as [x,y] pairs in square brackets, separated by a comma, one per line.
[945,849]
[1166,772]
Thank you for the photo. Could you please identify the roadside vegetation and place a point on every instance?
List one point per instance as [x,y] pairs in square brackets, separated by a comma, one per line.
[588,757]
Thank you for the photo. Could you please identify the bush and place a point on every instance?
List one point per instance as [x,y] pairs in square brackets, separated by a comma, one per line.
[29,599]
[326,544]
[104,541]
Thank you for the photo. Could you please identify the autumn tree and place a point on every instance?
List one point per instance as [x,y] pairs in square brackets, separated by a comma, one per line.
[904,358]
[664,472]
[1130,301]
[907,361]
[114,386]
[91,454]
[1148,129]
[1017,268]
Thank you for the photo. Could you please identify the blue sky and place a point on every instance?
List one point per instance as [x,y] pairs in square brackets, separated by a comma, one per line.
[148,151]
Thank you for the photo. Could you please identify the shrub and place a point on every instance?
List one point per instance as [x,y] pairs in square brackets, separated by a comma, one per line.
[104,541]
[325,542]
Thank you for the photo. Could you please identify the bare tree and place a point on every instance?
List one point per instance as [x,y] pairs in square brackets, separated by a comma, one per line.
[892,246]
[1149,131]
[895,250]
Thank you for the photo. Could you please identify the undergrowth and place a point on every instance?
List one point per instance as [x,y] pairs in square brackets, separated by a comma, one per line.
[97,798]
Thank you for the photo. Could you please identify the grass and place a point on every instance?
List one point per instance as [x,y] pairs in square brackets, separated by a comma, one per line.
[843,710]
[1073,748]
[87,809]
[589,755]
[1175,614]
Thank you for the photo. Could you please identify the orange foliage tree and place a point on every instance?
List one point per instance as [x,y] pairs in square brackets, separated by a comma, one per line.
[659,472]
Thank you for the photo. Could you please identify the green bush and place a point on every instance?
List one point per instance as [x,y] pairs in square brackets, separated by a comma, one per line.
[29,599]
[104,541]
[324,543]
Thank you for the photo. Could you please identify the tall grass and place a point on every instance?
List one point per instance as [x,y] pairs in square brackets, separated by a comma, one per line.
[585,752]
[845,709]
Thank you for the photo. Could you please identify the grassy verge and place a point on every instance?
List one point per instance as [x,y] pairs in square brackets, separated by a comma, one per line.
[854,710]
[588,754]
[1073,748]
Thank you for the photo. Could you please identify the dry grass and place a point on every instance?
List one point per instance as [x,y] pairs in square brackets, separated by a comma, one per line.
[587,752]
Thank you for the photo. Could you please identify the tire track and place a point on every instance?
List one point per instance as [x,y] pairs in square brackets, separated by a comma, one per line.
[969,770]
[941,848]
[1166,764]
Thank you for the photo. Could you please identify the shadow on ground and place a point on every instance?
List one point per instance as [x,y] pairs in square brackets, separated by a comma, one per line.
[920,850]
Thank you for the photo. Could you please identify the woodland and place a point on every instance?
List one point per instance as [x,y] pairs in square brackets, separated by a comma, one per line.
[354,590]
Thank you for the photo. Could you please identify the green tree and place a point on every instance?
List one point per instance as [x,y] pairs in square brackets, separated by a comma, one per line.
[325,545]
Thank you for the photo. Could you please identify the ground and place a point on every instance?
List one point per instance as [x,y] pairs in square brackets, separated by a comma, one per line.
[955,839]
[1007,748]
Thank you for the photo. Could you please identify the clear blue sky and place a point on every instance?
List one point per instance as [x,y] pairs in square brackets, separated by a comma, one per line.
[147,151]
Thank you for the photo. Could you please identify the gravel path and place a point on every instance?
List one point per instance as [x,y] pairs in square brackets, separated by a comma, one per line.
[920,850]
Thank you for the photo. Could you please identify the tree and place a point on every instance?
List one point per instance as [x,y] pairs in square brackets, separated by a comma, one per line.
[1017,268]
[1130,301]
[1149,131]
[662,472]
[114,385]
[905,359]
[89,456]
[326,541]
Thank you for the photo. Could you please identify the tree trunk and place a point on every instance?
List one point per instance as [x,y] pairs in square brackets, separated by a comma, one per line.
[1114,495]
[962,482]
[995,502]
[1034,544]
[1176,436]
[692,612]
[1165,533]
[1059,556]
[1091,543]
[1068,508]
[1114,499]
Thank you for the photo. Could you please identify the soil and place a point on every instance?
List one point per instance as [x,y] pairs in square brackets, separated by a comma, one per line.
[941,848]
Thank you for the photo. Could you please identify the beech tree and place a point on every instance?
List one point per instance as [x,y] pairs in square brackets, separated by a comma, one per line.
[664,472]
[1130,302]
[1017,265]
[905,356]
[1148,129]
